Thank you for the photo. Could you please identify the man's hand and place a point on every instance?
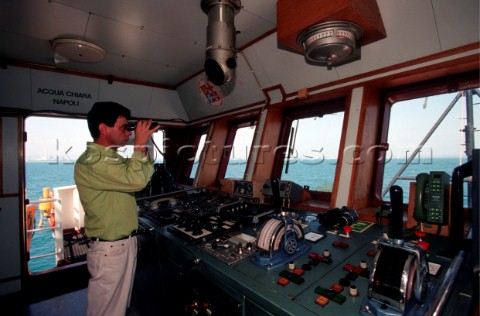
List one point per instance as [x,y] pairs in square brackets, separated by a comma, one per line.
[143,134]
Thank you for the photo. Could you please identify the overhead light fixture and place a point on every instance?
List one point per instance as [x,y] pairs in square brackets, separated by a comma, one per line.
[220,53]
[331,43]
[67,49]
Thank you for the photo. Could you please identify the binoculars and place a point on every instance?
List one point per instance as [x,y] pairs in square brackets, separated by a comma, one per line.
[132,125]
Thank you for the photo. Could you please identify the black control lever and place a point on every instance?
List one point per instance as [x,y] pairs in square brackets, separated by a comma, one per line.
[396,197]
[275,183]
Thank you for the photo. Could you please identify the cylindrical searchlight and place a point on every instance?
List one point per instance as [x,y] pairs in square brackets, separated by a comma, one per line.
[220,52]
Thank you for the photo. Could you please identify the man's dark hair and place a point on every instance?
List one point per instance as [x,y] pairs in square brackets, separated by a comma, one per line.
[107,113]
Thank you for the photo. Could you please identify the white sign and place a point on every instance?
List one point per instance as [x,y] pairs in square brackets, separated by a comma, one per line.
[63,93]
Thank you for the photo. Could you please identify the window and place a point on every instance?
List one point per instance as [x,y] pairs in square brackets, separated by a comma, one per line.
[237,162]
[428,134]
[53,145]
[236,149]
[312,140]
[313,150]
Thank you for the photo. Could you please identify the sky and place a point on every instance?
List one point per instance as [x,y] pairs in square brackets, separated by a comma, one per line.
[49,138]
[417,117]
[411,121]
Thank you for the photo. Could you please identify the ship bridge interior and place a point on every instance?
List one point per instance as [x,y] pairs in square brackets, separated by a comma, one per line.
[246,92]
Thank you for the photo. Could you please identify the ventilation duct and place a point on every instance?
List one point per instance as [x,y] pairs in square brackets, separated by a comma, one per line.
[220,52]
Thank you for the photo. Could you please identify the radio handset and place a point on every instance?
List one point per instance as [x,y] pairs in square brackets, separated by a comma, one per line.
[420,211]
[431,198]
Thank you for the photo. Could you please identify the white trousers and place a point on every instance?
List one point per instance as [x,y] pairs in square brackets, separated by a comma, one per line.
[112,269]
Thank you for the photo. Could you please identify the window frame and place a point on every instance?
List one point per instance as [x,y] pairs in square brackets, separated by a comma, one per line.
[233,126]
[311,110]
[409,92]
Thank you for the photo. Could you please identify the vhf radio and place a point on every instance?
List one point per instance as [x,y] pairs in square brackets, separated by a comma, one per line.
[431,197]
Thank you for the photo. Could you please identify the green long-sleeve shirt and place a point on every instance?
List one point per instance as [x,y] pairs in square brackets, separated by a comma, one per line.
[106,184]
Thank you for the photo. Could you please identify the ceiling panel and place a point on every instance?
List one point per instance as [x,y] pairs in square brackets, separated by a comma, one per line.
[406,39]
[162,41]
[456,27]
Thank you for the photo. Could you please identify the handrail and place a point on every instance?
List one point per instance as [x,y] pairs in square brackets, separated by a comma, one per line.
[45,255]
[53,229]
[41,229]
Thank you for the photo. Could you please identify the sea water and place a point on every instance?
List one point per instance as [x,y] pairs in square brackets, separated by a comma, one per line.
[41,175]
[55,174]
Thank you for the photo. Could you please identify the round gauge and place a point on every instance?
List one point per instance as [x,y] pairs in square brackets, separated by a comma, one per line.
[330,43]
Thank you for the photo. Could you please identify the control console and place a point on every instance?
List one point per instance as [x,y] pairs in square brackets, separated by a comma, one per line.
[298,263]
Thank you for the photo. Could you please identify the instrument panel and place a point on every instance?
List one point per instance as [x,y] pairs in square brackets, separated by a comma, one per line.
[268,256]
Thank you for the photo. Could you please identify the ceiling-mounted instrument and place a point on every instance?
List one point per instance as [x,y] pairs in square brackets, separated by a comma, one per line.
[331,43]
[328,33]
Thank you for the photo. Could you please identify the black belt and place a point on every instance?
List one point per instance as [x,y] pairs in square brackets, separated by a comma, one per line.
[133,233]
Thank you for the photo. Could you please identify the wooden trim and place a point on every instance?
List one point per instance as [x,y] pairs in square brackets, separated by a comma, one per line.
[278,87]
[270,137]
[341,152]
[214,144]
[364,165]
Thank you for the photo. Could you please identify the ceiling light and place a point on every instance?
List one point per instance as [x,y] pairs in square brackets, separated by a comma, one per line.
[77,50]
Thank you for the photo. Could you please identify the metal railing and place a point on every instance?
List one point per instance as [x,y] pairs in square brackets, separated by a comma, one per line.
[57,231]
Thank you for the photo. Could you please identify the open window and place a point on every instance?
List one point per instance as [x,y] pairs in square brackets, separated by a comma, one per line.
[52,147]
[237,149]
[310,146]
